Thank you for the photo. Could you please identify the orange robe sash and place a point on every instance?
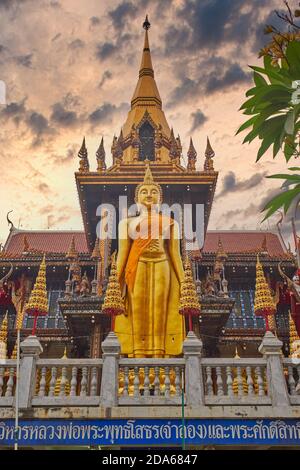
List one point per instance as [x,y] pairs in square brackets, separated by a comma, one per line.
[153,224]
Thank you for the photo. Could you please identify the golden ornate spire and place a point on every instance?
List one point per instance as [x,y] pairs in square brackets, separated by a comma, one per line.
[3,338]
[84,166]
[146,89]
[38,300]
[100,155]
[192,157]
[221,254]
[264,303]
[209,155]
[113,302]
[189,305]
[72,252]
[146,102]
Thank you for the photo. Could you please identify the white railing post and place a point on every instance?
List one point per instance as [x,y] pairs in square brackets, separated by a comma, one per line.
[110,382]
[31,349]
[194,389]
[277,388]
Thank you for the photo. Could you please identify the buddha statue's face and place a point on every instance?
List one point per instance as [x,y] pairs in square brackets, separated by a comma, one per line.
[149,196]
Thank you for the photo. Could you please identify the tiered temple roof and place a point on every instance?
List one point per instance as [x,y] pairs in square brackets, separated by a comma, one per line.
[58,241]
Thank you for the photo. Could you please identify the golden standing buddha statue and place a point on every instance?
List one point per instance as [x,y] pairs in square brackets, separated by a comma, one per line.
[150,272]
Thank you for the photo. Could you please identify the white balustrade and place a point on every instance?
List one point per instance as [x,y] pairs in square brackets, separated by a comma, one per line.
[291,369]
[199,381]
[150,381]
[67,381]
[8,370]
[230,381]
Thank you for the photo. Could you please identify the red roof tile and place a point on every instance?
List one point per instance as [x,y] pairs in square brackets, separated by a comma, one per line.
[45,241]
[243,241]
[59,242]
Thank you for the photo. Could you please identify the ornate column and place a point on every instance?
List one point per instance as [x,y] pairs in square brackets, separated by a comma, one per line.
[277,388]
[109,383]
[31,349]
[194,388]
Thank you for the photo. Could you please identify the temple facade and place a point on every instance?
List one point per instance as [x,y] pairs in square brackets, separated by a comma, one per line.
[71,343]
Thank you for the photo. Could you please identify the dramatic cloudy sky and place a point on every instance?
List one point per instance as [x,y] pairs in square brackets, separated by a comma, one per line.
[70,68]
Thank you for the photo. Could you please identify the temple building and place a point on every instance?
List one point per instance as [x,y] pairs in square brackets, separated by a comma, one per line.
[82,285]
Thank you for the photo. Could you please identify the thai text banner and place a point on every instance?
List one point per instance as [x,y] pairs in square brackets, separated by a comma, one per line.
[150,432]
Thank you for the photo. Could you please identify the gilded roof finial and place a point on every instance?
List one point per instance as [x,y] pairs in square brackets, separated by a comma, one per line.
[117,148]
[173,146]
[192,157]
[100,155]
[209,151]
[146,24]
[72,252]
[209,155]
[12,227]
[84,166]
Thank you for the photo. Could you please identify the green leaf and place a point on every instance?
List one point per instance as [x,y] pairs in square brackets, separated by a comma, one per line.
[266,143]
[259,80]
[246,124]
[269,93]
[295,178]
[294,168]
[270,130]
[272,74]
[277,146]
[284,199]
[289,149]
[293,57]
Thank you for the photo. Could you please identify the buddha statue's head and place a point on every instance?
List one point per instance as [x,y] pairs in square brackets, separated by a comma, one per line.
[148,194]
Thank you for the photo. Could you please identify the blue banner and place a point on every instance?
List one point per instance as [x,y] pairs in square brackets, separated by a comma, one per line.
[149,432]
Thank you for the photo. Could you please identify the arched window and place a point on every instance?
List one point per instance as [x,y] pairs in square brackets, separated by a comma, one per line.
[146,135]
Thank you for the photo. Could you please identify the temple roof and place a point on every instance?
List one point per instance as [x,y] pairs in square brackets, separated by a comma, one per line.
[50,241]
[45,241]
[244,241]
[146,97]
